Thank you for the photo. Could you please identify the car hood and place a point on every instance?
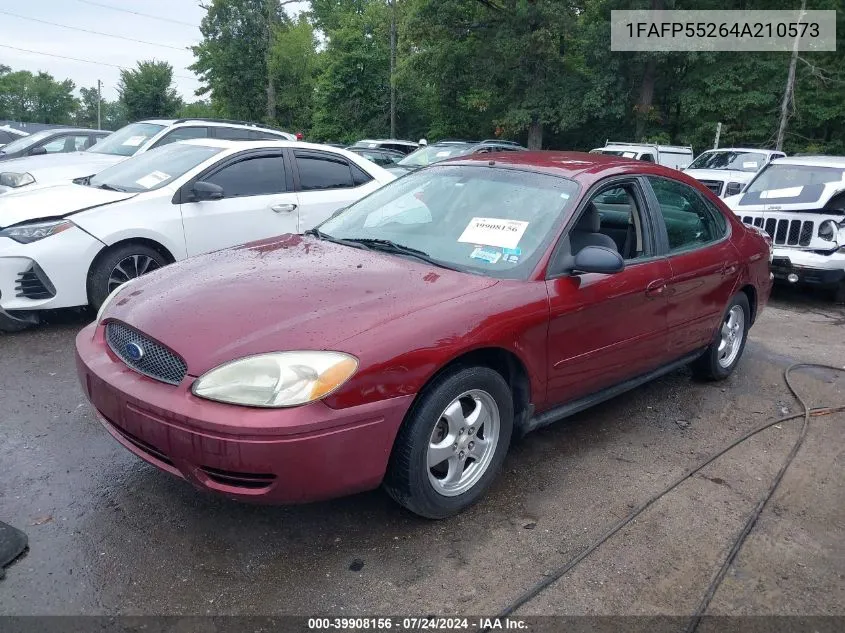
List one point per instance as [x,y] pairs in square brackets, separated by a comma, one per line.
[54,202]
[56,168]
[293,292]
[725,175]
[801,198]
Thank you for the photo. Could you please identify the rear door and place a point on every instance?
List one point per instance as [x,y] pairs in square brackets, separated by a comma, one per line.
[704,264]
[258,202]
[326,182]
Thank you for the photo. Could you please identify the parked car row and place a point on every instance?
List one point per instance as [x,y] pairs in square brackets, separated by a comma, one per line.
[301,315]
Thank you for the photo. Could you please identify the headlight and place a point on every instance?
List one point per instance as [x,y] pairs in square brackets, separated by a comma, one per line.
[111,296]
[26,233]
[14,179]
[733,188]
[278,379]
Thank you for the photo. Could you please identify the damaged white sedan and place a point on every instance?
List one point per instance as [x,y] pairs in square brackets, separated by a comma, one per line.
[800,202]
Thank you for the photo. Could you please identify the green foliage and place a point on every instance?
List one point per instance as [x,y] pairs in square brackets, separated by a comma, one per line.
[148,91]
[293,65]
[198,110]
[35,97]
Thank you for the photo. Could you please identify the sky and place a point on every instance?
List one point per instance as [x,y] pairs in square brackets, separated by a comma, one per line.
[176,29]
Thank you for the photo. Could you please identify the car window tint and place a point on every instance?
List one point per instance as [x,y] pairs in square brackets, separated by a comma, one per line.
[359,176]
[689,222]
[258,176]
[68,143]
[182,134]
[647,158]
[234,133]
[323,172]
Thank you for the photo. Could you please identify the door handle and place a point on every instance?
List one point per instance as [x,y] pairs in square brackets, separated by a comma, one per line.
[284,208]
[729,269]
[656,288]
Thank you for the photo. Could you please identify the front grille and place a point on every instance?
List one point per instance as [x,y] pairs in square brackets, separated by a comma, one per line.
[253,481]
[788,232]
[713,185]
[156,360]
[34,284]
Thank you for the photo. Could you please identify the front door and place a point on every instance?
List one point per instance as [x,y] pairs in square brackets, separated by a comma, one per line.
[256,204]
[605,329]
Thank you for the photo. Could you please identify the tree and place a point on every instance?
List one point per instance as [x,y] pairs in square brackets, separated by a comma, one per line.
[148,91]
[232,57]
[293,66]
[35,98]
[352,94]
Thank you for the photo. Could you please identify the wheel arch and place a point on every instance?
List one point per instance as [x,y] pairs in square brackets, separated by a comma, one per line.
[751,292]
[150,243]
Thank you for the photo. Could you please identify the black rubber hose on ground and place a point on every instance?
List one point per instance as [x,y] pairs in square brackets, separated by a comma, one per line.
[806,414]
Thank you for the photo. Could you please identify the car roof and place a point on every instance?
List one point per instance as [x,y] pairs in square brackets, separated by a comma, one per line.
[260,144]
[385,140]
[743,149]
[214,123]
[813,161]
[573,165]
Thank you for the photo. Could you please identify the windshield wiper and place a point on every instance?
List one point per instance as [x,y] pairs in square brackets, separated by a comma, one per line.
[109,187]
[330,238]
[389,246]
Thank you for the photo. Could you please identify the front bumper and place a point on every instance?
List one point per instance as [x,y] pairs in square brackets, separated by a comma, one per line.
[291,455]
[63,260]
[809,267]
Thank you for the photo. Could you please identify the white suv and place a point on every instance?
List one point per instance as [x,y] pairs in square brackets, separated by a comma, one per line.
[135,138]
[726,171]
[800,203]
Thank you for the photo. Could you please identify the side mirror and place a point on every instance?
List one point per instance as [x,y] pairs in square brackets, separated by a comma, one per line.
[598,259]
[203,190]
[38,151]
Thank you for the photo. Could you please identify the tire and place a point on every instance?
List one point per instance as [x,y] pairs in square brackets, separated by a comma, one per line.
[839,293]
[126,261]
[717,363]
[428,432]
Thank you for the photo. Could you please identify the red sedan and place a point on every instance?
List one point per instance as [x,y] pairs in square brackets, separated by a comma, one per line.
[408,338]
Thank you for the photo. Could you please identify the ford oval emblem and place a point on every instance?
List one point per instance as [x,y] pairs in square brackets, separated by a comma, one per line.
[134,351]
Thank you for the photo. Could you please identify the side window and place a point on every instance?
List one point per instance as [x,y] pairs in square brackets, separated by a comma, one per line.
[647,158]
[321,171]
[182,134]
[258,176]
[689,221]
[234,133]
[613,219]
[64,144]
[359,176]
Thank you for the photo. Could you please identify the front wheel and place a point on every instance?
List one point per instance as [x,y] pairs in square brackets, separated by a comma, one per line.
[117,266]
[724,352]
[452,444]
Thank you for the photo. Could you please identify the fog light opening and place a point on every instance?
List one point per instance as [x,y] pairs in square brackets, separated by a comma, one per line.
[792,278]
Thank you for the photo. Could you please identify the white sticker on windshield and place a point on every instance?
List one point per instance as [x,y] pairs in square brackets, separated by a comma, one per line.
[790,192]
[134,141]
[443,154]
[494,232]
[749,164]
[152,179]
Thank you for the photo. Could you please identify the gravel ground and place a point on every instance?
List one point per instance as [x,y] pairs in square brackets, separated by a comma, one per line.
[111,535]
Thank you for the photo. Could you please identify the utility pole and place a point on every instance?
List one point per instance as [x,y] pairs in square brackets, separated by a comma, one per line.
[99,101]
[718,134]
[789,93]
[392,68]
[271,89]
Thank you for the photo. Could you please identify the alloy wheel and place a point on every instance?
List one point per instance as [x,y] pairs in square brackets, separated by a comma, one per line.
[129,268]
[463,442]
[732,333]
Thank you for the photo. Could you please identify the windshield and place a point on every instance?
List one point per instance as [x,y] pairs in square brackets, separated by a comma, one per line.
[127,140]
[433,154]
[740,161]
[613,152]
[494,222]
[153,169]
[25,141]
[777,177]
